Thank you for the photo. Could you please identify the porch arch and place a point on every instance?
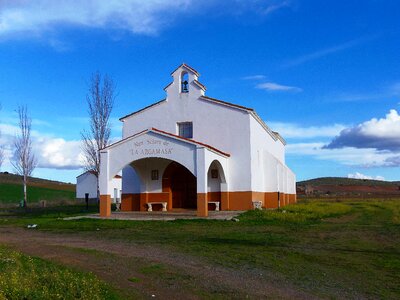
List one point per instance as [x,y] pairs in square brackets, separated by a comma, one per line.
[217,185]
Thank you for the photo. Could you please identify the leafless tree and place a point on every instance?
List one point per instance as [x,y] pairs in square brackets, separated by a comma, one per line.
[1,150]
[100,100]
[24,161]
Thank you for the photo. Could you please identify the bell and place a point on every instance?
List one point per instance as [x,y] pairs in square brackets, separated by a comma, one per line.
[185,87]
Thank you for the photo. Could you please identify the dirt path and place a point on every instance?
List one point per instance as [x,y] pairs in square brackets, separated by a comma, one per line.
[156,271]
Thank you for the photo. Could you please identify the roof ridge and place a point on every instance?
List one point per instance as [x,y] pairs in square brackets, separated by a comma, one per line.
[142,109]
[187,67]
[227,103]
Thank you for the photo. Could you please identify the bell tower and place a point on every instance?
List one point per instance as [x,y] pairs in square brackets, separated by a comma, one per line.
[185,83]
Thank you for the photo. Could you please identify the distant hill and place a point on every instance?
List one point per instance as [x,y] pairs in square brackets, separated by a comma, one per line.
[347,181]
[341,186]
[38,189]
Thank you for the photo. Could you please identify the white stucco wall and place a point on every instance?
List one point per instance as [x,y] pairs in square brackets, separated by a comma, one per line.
[143,146]
[131,181]
[223,127]
[86,183]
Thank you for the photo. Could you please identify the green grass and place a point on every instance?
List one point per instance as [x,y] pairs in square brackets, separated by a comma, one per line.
[48,214]
[13,193]
[26,277]
[347,249]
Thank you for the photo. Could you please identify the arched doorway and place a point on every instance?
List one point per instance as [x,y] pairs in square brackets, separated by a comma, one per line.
[216,186]
[182,186]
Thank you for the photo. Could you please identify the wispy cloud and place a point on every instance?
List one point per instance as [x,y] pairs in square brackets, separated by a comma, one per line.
[327,51]
[350,156]
[254,77]
[296,131]
[358,175]
[34,18]
[275,6]
[394,89]
[43,15]
[276,87]
[386,91]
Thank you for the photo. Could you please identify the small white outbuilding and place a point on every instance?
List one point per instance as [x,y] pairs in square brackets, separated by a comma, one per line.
[86,186]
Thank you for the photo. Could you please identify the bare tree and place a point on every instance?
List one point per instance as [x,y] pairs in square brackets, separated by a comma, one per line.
[1,150]
[24,161]
[100,100]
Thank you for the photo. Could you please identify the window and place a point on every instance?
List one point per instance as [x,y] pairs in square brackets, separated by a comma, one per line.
[154,174]
[185,130]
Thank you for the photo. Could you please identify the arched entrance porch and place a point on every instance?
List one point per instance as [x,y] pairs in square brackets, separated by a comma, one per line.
[140,151]
[152,180]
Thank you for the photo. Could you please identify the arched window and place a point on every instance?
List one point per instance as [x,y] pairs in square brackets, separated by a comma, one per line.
[184,82]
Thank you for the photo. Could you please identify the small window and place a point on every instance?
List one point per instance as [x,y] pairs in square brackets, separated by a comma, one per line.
[154,174]
[214,173]
[185,130]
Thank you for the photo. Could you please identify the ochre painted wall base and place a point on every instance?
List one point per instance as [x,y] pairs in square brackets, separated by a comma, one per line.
[202,205]
[228,200]
[105,205]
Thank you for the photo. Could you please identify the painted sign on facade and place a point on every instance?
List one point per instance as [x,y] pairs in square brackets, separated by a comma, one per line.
[151,147]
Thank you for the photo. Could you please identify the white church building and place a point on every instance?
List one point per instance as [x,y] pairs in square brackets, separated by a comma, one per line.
[191,151]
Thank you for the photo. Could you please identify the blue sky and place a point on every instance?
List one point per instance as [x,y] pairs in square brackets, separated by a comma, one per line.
[325,74]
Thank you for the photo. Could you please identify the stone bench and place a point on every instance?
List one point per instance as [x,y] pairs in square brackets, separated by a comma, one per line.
[257,204]
[216,203]
[150,205]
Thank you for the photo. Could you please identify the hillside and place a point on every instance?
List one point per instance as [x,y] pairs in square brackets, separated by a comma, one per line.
[340,186]
[38,189]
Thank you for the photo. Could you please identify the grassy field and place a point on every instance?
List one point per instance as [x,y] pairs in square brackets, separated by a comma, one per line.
[38,189]
[25,277]
[13,193]
[347,249]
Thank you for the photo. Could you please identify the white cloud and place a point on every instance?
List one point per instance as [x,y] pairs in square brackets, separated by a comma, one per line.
[381,134]
[51,152]
[58,153]
[358,175]
[34,17]
[291,130]
[388,127]
[365,157]
[133,15]
[271,86]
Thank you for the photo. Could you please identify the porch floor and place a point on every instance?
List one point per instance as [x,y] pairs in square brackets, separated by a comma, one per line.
[161,216]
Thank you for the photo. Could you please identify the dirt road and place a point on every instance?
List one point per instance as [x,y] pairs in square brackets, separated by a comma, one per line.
[142,271]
